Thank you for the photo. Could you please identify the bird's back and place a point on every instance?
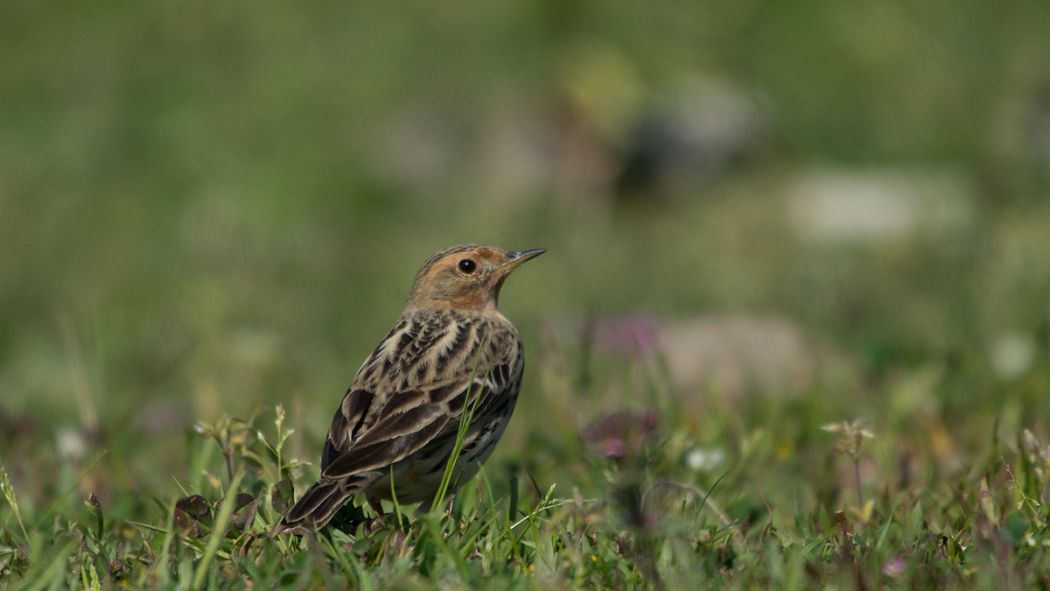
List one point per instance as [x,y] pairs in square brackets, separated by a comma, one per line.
[401,415]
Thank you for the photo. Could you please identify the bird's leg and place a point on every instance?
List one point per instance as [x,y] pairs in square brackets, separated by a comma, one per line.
[377,507]
[378,521]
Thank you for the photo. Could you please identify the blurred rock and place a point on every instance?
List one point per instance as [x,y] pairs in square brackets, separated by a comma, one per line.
[513,148]
[835,205]
[547,147]
[736,354]
[730,355]
[689,137]
[598,136]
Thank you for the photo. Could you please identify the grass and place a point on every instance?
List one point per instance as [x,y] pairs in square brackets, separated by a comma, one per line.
[805,504]
[473,399]
[209,217]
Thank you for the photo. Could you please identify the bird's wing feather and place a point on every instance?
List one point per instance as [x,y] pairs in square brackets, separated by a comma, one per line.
[405,428]
[377,427]
[346,424]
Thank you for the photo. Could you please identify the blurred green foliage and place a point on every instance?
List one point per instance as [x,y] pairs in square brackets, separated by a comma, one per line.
[207,208]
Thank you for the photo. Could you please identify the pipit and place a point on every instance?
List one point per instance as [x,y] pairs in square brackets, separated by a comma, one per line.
[451,352]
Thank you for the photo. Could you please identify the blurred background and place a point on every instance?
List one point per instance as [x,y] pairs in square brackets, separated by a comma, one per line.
[760,217]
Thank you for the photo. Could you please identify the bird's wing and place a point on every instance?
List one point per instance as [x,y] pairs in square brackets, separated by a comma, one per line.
[405,424]
[346,424]
[381,422]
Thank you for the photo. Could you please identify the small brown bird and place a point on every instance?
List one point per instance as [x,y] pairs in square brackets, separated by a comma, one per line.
[400,417]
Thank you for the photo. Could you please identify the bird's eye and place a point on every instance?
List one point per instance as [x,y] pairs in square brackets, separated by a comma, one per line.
[467,266]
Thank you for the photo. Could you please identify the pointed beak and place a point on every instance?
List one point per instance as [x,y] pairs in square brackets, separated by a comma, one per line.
[517,257]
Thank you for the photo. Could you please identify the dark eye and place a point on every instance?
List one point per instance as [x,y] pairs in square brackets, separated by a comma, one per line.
[467,266]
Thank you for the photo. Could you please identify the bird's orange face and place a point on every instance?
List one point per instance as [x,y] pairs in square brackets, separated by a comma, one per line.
[466,277]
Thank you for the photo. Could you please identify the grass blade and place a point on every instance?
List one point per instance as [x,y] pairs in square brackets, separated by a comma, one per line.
[9,495]
[218,533]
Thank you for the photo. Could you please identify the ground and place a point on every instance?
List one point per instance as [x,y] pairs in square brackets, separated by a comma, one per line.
[792,328]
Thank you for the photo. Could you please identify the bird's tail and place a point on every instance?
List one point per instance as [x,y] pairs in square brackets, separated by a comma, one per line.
[320,503]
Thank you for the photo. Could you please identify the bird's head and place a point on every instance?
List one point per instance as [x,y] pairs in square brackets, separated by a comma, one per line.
[466,277]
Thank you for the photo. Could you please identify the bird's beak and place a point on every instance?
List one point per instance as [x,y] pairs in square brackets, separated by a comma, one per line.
[517,257]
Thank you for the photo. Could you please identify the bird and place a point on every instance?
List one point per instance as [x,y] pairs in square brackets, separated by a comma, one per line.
[451,352]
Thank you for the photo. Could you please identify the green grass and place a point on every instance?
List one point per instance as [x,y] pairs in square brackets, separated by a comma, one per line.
[797,504]
[210,215]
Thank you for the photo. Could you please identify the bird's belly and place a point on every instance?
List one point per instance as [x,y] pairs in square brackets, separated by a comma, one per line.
[417,478]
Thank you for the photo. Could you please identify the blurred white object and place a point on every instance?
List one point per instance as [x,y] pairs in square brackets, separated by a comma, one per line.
[874,205]
[704,459]
[1011,355]
[71,444]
